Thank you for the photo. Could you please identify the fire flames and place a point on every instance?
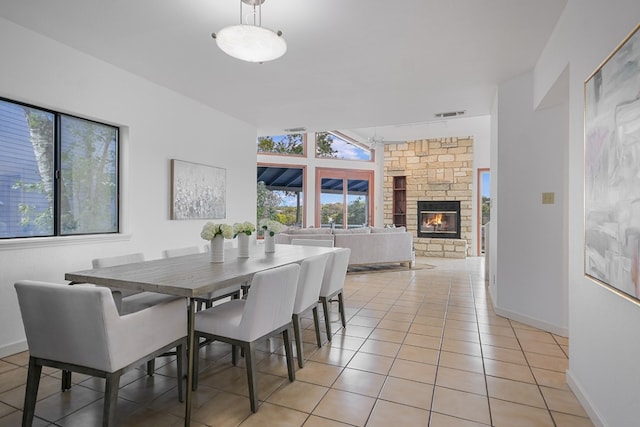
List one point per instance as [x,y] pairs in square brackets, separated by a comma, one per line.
[435,220]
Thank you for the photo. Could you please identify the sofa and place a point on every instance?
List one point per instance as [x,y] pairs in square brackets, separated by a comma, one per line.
[369,245]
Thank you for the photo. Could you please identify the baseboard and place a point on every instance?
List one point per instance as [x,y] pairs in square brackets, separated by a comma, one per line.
[574,385]
[536,323]
[11,349]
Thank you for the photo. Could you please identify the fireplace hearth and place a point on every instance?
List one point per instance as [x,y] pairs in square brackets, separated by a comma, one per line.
[439,219]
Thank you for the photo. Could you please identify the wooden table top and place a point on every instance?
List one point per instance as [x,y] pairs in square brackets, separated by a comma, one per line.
[194,275]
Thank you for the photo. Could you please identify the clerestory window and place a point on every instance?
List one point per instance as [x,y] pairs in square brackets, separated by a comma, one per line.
[337,146]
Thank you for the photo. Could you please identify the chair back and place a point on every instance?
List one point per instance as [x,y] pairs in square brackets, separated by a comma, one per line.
[67,323]
[309,282]
[313,242]
[335,272]
[270,303]
[189,250]
[117,260]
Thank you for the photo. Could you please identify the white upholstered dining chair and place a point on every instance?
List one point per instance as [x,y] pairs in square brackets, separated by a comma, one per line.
[78,328]
[333,284]
[267,311]
[127,301]
[307,296]
[232,291]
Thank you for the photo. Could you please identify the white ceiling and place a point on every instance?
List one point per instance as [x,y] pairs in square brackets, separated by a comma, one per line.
[350,63]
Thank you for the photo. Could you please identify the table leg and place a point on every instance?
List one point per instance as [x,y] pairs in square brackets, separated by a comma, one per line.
[192,346]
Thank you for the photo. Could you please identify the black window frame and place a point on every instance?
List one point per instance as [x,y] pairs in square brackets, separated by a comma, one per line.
[57,173]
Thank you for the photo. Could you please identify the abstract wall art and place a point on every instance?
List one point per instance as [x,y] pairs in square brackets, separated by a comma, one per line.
[197,191]
[612,170]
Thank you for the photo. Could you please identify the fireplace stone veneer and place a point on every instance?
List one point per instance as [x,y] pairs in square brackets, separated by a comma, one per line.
[435,170]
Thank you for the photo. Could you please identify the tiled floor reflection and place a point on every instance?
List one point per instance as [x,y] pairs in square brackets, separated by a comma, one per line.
[422,347]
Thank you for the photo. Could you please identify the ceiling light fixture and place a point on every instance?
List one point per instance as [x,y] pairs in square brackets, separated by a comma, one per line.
[250,41]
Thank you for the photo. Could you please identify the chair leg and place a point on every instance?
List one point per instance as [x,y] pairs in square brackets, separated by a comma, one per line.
[66,380]
[316,324]
[325,309]
[180,352]
[234,354]
[195,354]
[151,367]
[110,399]
[289,353]
[341,309]
[245,289]
[31,394]
[251,378]
[295,319]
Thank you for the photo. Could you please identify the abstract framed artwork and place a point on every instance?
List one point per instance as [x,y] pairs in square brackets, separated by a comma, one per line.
[612,170]
[197,191]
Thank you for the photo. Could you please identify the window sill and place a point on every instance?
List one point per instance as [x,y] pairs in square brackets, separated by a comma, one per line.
[39,242]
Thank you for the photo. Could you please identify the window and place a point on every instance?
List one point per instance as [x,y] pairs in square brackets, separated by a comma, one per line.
[484,205]
[343,198]
[291,145]
[58,173]
[281,194]
[338,146]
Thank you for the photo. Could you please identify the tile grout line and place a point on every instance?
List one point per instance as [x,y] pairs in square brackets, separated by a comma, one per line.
[532,374]
[435,378]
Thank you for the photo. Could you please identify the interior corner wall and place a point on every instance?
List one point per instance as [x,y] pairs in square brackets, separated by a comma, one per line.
[603,327]
[529,282]
[490,276]
[158,125]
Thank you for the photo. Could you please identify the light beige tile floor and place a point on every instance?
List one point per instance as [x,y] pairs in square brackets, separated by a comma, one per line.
[422,347]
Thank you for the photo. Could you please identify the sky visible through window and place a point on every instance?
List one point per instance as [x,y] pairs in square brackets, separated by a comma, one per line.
[486,181]
[350,151]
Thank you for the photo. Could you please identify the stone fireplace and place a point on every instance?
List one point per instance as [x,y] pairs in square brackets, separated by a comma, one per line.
[439,191]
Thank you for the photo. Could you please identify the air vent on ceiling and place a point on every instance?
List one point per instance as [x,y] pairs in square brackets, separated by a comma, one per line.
[449,114]
[296,130]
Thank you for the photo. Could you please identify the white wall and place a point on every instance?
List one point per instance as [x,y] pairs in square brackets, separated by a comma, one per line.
[531,236]
[495,202]
[158,125]
[604,346]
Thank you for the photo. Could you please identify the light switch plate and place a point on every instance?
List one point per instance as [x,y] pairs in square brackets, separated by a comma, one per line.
[548,198]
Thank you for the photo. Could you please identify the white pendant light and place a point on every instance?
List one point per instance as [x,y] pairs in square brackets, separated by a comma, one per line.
[250,41]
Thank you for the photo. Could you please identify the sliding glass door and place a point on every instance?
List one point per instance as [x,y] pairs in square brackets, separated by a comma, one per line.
[343,198]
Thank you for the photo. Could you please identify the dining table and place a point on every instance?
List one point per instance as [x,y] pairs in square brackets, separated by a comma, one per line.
[193,276]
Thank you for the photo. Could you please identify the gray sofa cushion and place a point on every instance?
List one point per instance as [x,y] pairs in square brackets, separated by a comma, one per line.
[298,231]
[359,230]
[388,229]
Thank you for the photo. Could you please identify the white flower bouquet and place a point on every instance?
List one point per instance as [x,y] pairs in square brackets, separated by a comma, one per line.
[243,228]
[211,230]
[270,226]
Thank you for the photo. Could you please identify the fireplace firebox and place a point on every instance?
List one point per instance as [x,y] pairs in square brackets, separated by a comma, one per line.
[439,219]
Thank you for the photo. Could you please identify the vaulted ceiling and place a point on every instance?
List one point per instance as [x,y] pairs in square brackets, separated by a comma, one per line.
[350,63]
